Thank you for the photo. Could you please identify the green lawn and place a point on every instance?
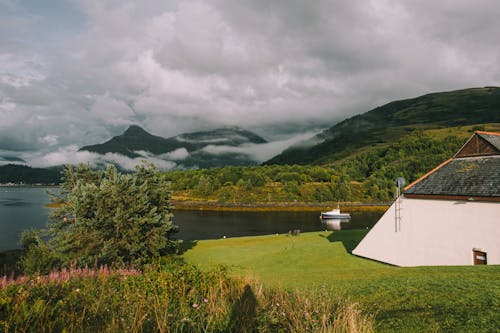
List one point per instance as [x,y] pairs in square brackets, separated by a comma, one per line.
[420,299]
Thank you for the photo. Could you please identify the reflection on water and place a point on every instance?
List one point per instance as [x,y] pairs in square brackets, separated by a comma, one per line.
[198,225]
[24,208]
[334,224]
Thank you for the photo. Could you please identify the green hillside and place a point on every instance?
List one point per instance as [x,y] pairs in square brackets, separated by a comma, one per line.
[22,174]
[388,123]
[366,175]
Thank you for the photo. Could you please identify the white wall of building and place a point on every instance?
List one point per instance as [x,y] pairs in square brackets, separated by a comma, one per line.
[435,232]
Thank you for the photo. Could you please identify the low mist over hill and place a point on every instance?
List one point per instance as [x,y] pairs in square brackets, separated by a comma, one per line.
[371,132]
[385,124]
[198,149]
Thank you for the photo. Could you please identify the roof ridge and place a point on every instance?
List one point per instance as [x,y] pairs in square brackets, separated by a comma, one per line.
[476,157]
[487,133]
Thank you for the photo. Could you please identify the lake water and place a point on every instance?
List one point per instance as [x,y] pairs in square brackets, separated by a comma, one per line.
[24,208]
[21,209]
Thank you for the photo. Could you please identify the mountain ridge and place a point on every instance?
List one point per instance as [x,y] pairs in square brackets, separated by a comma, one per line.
[393,120]
[135,140]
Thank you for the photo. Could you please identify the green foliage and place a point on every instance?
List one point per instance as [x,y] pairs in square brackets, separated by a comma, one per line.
[367,176]
[13,173]
[340,188]
[477,128]
[38,256]
[106,218]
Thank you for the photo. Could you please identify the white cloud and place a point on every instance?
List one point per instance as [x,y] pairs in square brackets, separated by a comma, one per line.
[20,70]
[6,105]
[178,154]
[62,156]
[50,140]
[260,152]
[186,65]
[71,155]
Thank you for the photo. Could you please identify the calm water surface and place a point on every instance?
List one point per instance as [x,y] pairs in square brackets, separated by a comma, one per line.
[21,208]
[24,208]
[209,224]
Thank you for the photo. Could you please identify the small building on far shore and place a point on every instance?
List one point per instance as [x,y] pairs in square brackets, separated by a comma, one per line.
[449,216]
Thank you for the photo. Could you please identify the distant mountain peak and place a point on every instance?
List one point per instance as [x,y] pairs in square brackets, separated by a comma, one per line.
[135,141]
[135,130]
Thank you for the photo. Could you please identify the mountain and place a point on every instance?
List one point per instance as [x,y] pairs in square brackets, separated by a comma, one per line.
[386,124]
[185,149]
[134,139]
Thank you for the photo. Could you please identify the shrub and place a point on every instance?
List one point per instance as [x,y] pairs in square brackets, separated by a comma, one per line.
[106,218]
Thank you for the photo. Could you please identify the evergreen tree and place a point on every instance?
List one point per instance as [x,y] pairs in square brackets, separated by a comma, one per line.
[109,218]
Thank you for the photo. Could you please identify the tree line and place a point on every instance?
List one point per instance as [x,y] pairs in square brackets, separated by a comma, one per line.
[365,176]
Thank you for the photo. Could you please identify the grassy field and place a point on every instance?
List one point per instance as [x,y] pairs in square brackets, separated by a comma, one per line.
[420,299]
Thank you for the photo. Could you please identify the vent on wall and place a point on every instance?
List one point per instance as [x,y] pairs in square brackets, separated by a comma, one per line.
[480,257]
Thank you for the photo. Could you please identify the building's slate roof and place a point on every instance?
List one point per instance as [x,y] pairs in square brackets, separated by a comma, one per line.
[472,177]
[491,138]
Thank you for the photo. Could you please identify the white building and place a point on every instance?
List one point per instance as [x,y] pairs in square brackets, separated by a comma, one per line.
[450,216]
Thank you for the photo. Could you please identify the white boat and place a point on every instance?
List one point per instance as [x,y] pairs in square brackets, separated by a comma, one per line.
[335,214]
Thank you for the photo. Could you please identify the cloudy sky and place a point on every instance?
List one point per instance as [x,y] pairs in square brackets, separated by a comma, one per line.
[77,72]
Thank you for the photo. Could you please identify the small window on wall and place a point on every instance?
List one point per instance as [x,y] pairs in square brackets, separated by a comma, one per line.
[480,257]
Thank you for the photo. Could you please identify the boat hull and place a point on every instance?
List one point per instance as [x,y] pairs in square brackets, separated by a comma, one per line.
[342,216]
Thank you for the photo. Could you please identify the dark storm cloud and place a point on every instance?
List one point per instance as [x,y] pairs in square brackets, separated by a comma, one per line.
[278,67]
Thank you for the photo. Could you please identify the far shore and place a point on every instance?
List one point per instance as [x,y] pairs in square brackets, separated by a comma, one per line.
[270,207]
[261,206]
[278,206]
[28,185]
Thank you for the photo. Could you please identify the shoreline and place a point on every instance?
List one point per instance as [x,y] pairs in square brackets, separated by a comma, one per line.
[277,206]
[27,186]
[268,207]
[213,205]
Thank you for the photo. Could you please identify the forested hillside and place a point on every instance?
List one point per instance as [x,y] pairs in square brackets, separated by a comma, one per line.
[367,176]
[13,173]
[388,123]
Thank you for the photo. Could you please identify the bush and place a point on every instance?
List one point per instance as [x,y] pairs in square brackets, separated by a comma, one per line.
[38,256]
[106,218]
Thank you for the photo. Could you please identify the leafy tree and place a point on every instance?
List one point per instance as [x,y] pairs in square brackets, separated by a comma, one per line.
[340,188]
[108,218]
[224,194]
[322,193]
[319,174]
[204,186]
[285,177]
[255,178]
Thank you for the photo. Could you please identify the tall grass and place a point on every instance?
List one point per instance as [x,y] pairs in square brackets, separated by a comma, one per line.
[174,299]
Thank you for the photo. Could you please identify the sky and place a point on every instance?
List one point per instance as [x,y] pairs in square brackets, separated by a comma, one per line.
[77,72]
